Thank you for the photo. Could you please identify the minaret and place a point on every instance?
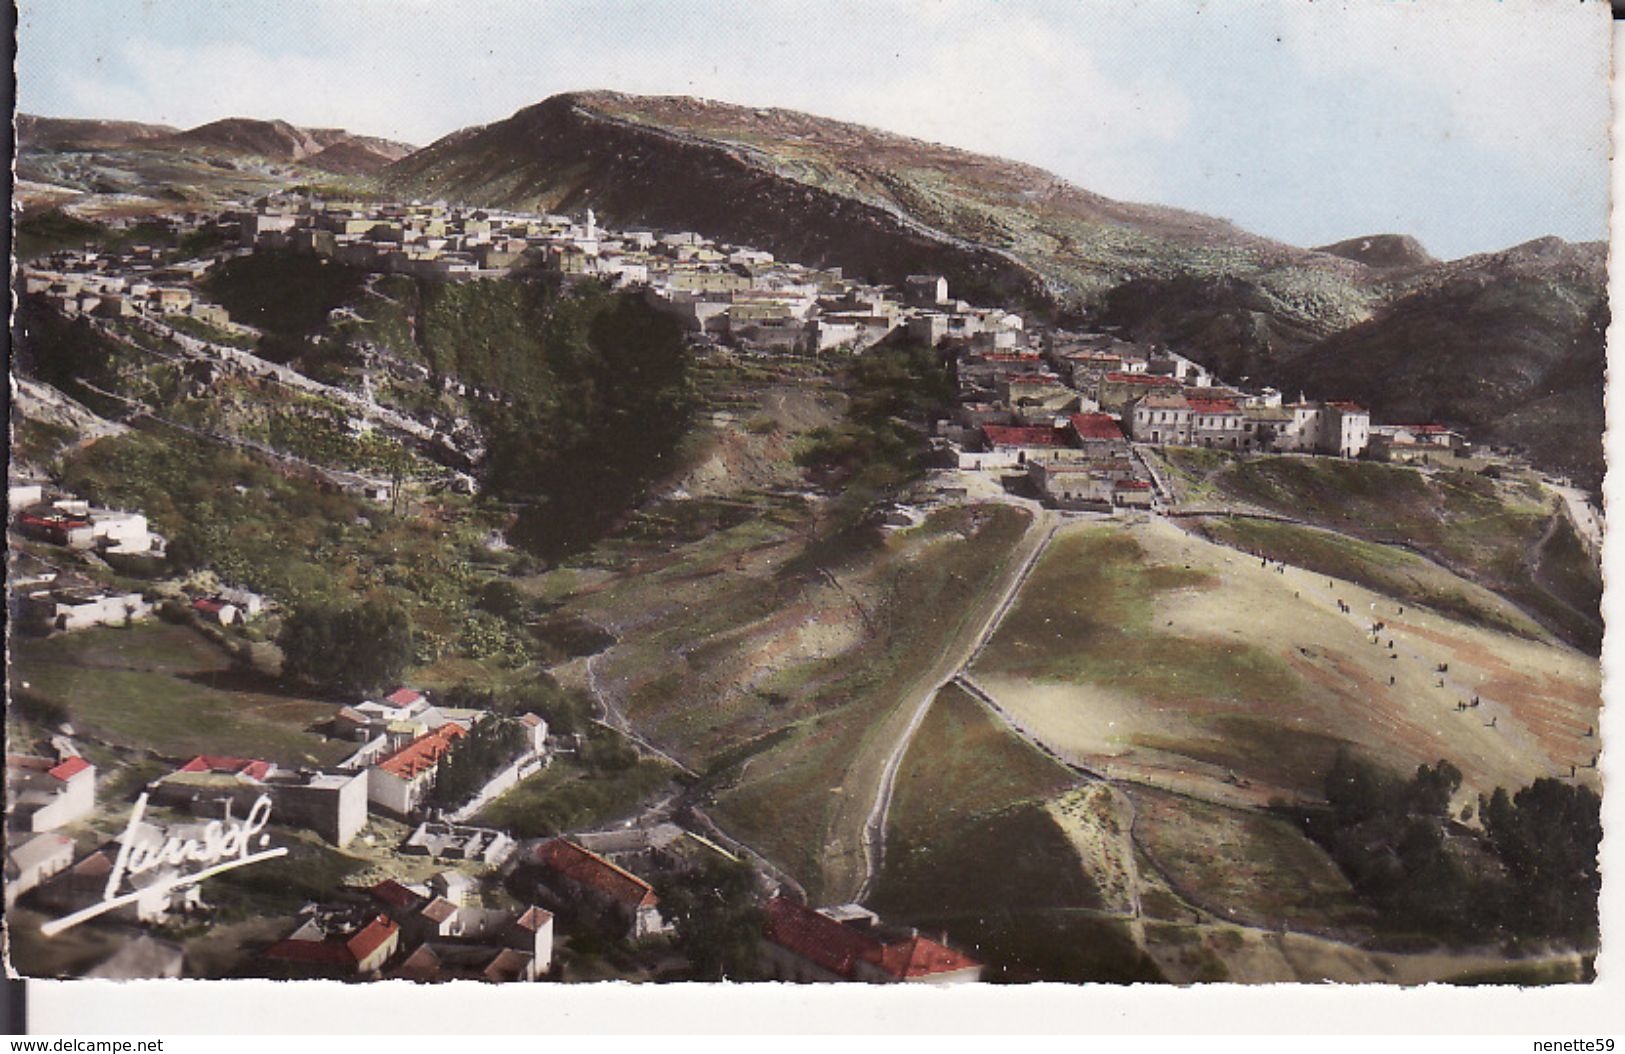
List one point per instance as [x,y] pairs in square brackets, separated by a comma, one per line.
[592,225]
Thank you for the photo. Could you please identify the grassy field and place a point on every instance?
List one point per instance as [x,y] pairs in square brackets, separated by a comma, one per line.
[1089,618]
[165,688]
[972,853]
[962,765]
[567,796]
[1472,524]
[1388,569]
[1245,866]
[1167,659]
[804,800]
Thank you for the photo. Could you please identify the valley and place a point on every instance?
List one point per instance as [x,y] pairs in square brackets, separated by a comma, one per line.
[706,551]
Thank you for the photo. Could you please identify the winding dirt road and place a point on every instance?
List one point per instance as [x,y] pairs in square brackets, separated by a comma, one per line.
[957,653]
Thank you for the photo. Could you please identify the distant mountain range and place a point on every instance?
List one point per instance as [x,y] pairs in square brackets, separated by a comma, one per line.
[332,149]
[1506,344]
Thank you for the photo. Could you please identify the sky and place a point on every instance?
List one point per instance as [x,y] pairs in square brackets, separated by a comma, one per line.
[1471,124]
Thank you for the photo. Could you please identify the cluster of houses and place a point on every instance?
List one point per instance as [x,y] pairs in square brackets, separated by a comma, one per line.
[716,290]
[43,795]
[427,932]
[132,283]
[40,595]
[43,597]
[1068,409]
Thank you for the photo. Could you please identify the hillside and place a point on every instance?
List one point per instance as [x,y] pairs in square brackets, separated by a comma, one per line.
[358,155]
[70,133]
[878,204]
[332,149]
[1509,345]
[1382,251]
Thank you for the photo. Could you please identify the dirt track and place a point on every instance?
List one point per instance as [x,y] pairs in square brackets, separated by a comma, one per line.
[872,776]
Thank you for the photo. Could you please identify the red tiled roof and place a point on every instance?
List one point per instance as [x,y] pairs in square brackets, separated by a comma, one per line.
[69,769]
[1096,426]
[207,606]
[371,937]
[594,872]
[817,938]
[1346,406]
[838,948]
[438,910]
[534,919]
[1011,356]
[921,957]
[422,965]
[1019,435]
[508,965]
[1214,406]
[1132,484]
[423,753]
[394,894]
[253,769]
[403,697]
[326,953]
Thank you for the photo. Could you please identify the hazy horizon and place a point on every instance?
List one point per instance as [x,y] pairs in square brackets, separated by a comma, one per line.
[1469,128]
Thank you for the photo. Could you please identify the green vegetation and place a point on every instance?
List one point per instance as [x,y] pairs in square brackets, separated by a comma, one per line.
[798,797]
[46,232]
[1245,866]
[230,512]
[566,711]
[963,764]
[384,314]
[1011,890]
[70,355]
[1384,568]
[971,851]
[595,397]
[166,689]
[1091,622]
[895,392]
[1547,837]
[718,926]
[357,649]
[1468,522]
[1533,874]
[570,795]
[286,296]
[474,759]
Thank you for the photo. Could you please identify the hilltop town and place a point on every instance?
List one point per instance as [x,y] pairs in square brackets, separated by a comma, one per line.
[1063,425]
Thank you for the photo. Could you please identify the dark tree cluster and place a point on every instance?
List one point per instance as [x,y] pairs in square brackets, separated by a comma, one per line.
[1531,874]
[566,711]
[474,759]
[598,396]
[359,649]
[718,923]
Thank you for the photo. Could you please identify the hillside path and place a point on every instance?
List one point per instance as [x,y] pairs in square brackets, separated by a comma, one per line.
[957,654]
